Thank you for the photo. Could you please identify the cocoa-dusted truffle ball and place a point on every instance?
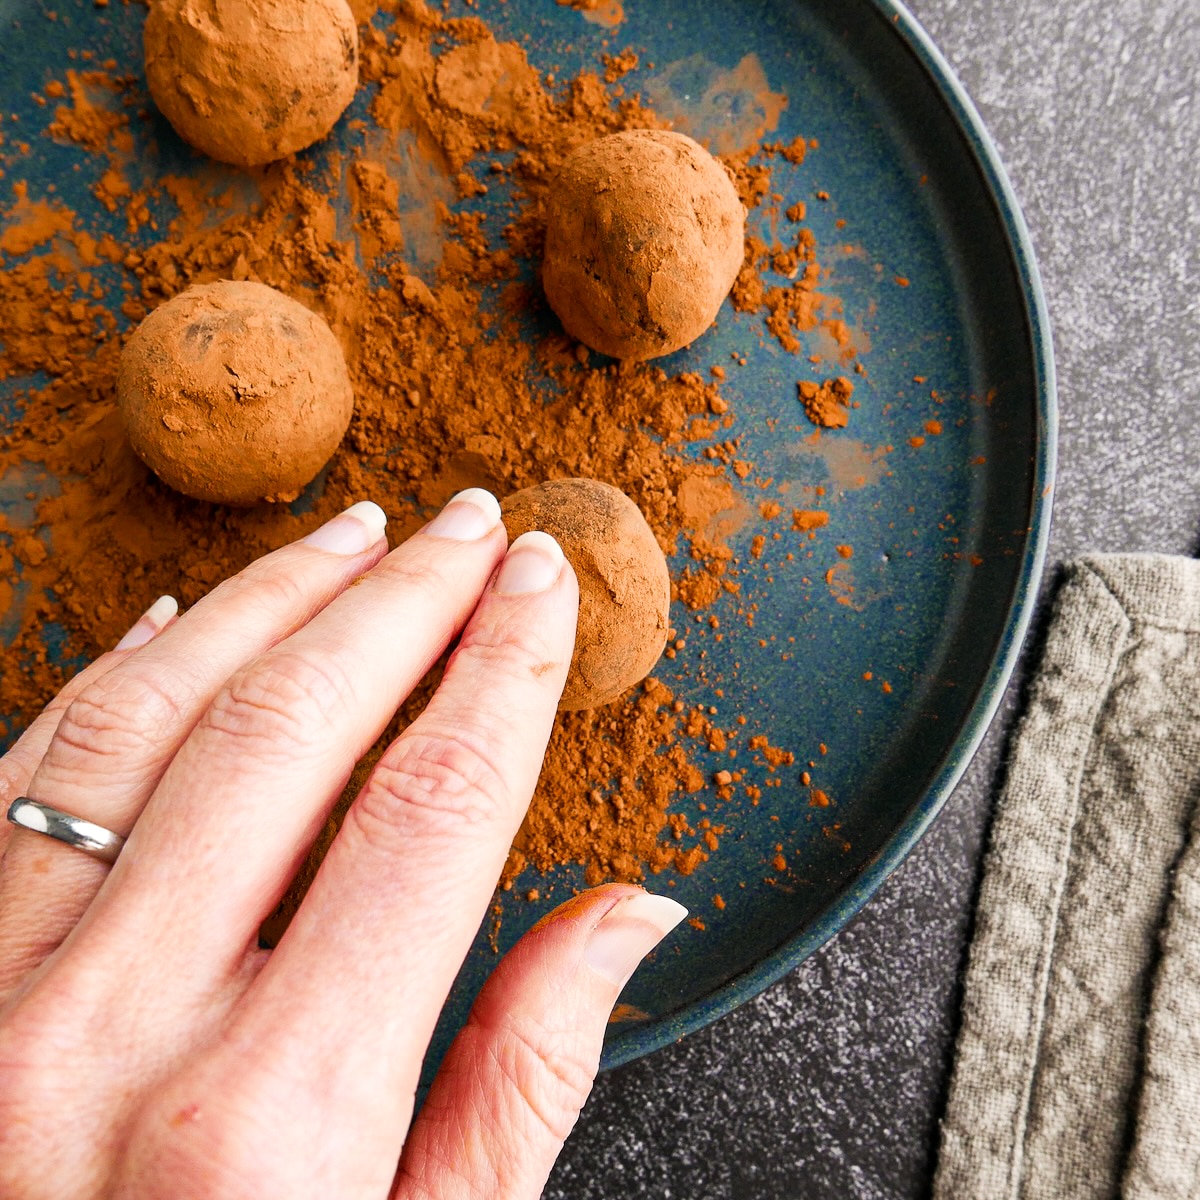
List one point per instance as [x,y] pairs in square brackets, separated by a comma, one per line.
[234,392]
[251,81]
[644,238]
[624,589]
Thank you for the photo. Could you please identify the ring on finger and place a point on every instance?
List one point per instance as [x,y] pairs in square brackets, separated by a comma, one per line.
[74,831]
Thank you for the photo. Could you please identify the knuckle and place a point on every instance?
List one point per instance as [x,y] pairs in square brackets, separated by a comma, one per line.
[516,650]
[212,1129]
[546,1069]
[268,589]
[171,1152]
[118,716]
[438,781]
[274,707]
[423,580]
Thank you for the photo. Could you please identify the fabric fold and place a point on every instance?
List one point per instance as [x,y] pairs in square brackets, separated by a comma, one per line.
[1077,1068]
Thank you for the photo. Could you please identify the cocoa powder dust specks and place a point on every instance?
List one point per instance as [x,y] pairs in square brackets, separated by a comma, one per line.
[431,307]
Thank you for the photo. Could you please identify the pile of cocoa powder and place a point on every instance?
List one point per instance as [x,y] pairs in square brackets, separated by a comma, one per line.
[460,380]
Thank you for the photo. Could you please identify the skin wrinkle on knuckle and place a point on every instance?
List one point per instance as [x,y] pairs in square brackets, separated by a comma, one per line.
[540,1067]
[440,782]
[419,568]
[438,571]
[118,717]
[516,649]
[269,587]
[273,708]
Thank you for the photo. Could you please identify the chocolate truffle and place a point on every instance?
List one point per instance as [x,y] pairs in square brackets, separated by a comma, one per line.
[251,81]
[624,588]
[234,392]
[644,238]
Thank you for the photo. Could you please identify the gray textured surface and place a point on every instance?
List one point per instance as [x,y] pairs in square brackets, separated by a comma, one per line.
[831,1083]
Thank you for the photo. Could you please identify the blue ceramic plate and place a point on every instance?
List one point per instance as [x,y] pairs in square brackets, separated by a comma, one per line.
[895,664]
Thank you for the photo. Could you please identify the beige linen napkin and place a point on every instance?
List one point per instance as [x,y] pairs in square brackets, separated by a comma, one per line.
[1077,1068]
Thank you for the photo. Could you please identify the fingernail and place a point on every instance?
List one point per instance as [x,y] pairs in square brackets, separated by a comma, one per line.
[351,532]
[151,623]
[467,517]
[629,932]
[532,564]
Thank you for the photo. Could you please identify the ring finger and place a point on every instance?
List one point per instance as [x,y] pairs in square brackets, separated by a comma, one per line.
[18,764]
[119,733]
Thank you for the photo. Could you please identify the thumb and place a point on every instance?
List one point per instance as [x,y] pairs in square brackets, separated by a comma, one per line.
[512,1085]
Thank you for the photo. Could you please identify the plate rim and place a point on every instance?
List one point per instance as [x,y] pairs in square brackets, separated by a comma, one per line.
[637,1041]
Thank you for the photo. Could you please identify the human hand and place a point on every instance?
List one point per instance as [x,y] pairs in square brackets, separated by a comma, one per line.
[148,1047]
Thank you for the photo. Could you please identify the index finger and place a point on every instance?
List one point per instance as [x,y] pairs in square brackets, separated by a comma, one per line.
[356,984]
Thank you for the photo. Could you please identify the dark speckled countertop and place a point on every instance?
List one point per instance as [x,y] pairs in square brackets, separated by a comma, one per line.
[831,1083]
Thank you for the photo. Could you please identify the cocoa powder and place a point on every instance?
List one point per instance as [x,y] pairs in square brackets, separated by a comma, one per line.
[827,404]
[455,386]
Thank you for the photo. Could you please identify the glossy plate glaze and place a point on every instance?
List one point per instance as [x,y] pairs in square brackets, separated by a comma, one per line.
[883,668]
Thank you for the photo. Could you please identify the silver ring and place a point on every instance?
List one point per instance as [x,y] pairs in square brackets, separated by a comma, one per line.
[84,835]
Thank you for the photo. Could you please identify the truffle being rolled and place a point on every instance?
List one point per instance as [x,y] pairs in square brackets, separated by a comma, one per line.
[624,588]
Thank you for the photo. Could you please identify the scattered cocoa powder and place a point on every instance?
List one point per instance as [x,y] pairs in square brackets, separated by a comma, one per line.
[609,13]
[618,65]
[454,384]
[33,222]
[827,404]
[804,519]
